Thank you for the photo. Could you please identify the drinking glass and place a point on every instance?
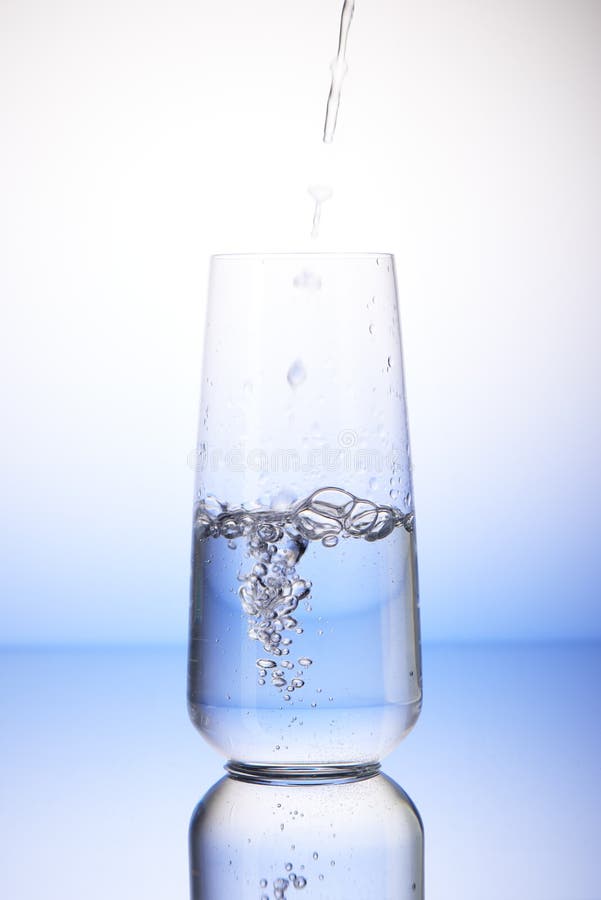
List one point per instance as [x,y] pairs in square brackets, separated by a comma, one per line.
[304,648]
[362,839]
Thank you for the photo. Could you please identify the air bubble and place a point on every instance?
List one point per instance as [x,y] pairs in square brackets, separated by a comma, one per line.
[316,855]
[263,883]
[300,882]
[297,682]
[305,662]
[276,539]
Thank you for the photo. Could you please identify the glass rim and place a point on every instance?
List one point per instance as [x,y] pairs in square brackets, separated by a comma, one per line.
[300,254]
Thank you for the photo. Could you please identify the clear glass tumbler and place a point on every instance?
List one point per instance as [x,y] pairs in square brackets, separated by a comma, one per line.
[304,634]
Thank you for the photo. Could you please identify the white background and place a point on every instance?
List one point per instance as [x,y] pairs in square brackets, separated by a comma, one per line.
[138,138]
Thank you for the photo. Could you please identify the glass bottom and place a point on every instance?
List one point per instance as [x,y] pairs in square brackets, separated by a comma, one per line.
[298,775]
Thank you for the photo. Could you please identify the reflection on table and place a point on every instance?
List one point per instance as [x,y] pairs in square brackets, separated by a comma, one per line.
[361,839]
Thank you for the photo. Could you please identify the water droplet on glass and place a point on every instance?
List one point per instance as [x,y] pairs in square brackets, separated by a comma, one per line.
[307,281]
[296,374]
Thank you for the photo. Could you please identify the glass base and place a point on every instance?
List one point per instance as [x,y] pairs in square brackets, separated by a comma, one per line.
[297,775]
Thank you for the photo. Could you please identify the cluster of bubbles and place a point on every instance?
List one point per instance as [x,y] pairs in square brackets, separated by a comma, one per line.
[281,885]
[271,591]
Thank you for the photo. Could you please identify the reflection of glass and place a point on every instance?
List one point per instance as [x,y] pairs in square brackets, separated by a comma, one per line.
[304,638]
[360,840]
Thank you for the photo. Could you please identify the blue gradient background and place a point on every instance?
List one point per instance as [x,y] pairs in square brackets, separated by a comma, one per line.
[136,139]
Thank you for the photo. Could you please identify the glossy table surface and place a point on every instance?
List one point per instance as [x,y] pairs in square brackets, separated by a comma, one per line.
[101,770]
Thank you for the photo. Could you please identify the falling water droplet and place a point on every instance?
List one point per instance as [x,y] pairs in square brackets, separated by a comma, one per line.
[296,374]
